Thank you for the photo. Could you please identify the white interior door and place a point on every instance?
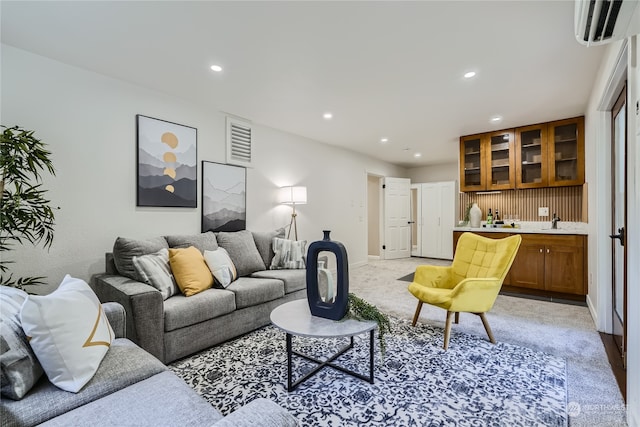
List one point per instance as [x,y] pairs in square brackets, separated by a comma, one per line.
[397,218]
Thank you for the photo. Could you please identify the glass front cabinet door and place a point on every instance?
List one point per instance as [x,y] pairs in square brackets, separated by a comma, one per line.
[500,161]
[566,151]
[472,158]
[531,156]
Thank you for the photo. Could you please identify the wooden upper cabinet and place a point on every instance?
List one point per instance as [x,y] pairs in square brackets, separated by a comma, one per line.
[500,161]
[543,155]
[531,156]
[566,152]
[472,163]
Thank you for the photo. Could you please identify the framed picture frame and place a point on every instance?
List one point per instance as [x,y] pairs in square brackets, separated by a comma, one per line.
[167,163]
[223,197]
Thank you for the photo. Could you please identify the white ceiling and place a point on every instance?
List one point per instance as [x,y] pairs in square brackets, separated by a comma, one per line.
[384,69]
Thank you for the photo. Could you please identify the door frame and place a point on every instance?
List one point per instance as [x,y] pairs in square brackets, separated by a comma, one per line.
[621,345]
[380,178]
[599,206]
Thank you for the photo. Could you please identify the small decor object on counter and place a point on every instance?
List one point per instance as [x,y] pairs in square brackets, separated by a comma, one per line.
[489,218]
[475,215]
[336,307]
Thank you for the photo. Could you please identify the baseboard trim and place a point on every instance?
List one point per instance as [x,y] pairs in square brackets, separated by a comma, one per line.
[357,264]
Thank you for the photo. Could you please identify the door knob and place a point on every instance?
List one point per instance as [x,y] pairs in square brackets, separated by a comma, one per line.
[620,235]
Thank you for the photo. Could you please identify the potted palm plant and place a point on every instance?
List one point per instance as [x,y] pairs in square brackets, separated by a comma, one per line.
[26,215]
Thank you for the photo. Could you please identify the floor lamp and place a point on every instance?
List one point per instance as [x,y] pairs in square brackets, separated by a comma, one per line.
[293,196]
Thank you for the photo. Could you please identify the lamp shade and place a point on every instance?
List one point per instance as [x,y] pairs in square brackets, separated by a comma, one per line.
[293,195]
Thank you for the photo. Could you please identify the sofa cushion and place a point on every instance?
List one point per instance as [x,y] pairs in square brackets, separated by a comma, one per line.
[180,311]
[294,280]
[250,291]
[223,270]
[203,241]
[163,399]
[190,271]
[288,254]
[242,250]
[124,364]
[156,271]
[264,243]
[125,249]
[19,367]
[68,331]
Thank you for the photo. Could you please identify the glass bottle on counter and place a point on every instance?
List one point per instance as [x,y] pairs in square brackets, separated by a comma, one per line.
[489,218]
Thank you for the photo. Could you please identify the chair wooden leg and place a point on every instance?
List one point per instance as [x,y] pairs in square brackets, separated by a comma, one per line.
[447,329]
[457,319]
[487,327]
[415,316]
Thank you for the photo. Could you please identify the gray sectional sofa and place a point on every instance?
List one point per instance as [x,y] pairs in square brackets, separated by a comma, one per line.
[179,326]
[131,388]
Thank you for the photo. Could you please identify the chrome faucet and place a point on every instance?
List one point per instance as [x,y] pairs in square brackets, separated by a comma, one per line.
[554,221]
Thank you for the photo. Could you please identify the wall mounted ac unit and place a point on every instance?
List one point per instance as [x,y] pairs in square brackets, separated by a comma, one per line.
[603,21]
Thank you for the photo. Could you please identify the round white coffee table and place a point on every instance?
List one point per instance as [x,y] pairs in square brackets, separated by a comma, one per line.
[294,318]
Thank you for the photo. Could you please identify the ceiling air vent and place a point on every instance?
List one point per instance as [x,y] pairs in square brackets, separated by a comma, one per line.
[238,142]
[603,21]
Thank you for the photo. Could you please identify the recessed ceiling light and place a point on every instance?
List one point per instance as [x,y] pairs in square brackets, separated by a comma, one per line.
[384,140]
[469,74]
[216,68]
[496,119]
[327,116]
[417,155]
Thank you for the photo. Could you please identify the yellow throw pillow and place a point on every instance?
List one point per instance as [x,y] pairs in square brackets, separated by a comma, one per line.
[190,271]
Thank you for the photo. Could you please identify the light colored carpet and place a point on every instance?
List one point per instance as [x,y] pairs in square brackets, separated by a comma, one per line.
[561,330]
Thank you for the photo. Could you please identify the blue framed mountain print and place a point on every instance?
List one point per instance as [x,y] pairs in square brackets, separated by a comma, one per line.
[223,197]
[167,163]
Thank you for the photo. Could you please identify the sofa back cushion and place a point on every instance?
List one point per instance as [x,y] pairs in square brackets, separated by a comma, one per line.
[125,249]
[202,241]
[243,251]
[264,243]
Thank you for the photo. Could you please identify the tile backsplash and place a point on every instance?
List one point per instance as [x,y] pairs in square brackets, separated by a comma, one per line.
[567,202]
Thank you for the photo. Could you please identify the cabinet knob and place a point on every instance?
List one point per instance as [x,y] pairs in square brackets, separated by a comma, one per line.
[540,250]
[547,250]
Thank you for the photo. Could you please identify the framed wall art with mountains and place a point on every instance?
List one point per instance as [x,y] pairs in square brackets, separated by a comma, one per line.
[167,163]
[223,197]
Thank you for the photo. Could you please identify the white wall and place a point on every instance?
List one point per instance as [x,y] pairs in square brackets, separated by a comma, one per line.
[598,169]
[436,173]
[88,122]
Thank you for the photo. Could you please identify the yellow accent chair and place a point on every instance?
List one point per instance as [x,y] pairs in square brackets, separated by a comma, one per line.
[472,282]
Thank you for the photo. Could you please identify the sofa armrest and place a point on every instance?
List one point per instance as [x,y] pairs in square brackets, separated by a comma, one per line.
[259,412]
[117,318]
[144,309]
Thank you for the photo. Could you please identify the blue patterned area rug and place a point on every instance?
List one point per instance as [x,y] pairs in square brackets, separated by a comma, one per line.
[473,383]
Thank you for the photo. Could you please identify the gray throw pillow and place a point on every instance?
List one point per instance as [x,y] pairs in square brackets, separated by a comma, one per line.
[289,254]
[264,240]
[125,249]
[242,250]
[203,241]
[156,271]
[19,367]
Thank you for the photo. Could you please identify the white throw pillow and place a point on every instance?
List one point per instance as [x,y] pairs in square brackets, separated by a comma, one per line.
[221,266]
[69,333]
[289,254]
[155,270]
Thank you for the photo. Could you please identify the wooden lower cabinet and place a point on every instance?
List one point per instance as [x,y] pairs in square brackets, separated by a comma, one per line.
[547,262]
